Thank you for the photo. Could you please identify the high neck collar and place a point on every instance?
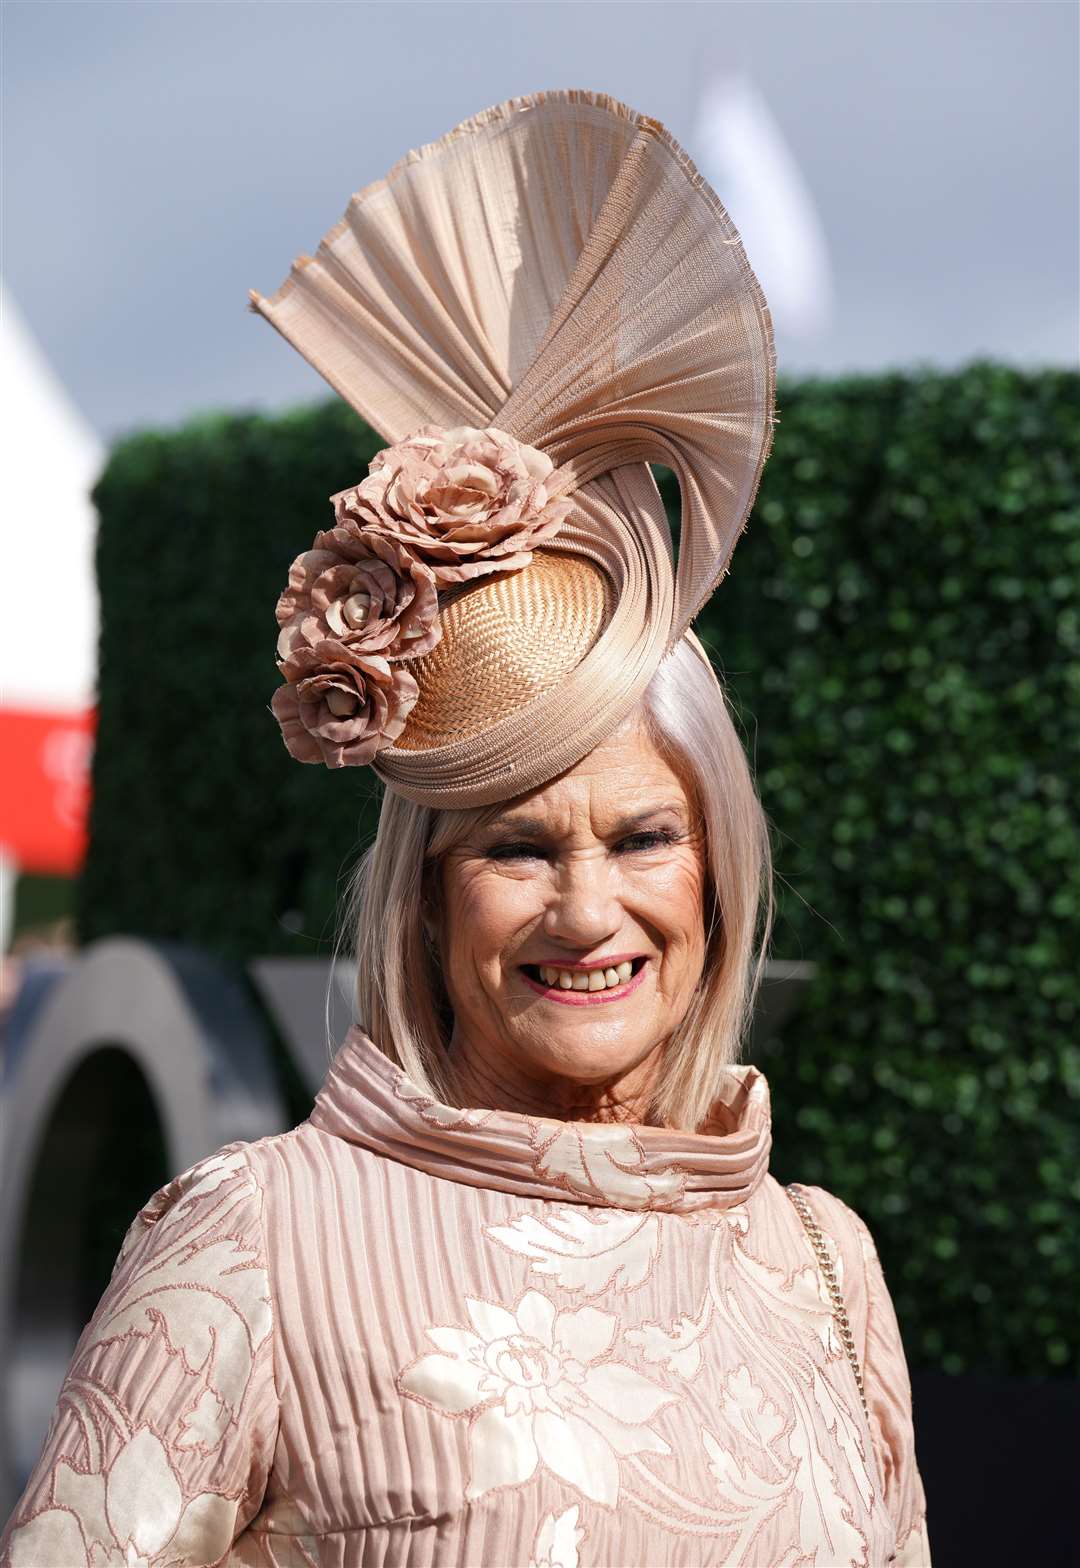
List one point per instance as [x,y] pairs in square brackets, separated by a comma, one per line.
[367,1100]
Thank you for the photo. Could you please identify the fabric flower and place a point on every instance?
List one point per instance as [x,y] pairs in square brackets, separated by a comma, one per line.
[132,1515]
[341,706]
[541,1388]
[364,592]
[465,501]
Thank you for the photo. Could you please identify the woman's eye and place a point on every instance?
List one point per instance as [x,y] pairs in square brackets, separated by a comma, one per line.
[512,851]
[636,842]
[649,840]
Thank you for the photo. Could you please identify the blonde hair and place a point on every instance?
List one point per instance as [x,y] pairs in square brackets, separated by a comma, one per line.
[401,999]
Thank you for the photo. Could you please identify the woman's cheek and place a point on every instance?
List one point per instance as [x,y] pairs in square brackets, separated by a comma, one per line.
[674,903]
[490,909]
[675,894]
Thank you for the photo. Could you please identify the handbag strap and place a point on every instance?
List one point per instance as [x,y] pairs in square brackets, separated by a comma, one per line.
[828,1273]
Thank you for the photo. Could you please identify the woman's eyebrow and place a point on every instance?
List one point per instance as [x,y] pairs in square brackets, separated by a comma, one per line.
[525,823]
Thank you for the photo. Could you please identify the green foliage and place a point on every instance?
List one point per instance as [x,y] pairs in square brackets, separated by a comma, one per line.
[903,626]
[202,827]
[901,634]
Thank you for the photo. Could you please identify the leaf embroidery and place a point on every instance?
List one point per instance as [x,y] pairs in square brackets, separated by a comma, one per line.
[582,1250]
[202,1287]
[604,1163]
[678,1347]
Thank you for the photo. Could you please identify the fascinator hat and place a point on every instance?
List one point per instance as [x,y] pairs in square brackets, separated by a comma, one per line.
[529,312]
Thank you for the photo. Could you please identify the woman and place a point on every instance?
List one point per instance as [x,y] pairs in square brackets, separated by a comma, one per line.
[521,1289]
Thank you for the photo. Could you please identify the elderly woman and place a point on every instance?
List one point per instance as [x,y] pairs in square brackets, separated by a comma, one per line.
[521,1289]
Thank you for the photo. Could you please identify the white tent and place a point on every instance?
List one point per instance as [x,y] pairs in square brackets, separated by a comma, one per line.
[48,642]
[51,458]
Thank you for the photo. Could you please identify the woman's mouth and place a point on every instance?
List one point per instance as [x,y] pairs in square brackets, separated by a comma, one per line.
[582,987]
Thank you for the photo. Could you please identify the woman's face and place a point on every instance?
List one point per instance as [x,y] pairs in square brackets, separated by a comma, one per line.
[601,869]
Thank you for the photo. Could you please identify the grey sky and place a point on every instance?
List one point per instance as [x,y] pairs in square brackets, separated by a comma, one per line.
[160,159]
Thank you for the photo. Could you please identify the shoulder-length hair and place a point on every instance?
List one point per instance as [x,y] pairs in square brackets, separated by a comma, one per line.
[402,1002]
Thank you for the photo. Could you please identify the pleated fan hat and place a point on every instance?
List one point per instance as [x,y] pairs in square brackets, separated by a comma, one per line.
[529,312]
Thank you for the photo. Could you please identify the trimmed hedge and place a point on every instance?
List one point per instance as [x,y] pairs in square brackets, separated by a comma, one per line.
[901,634]
[202,827]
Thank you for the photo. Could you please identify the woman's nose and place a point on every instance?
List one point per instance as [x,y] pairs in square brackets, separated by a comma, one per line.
[583,908]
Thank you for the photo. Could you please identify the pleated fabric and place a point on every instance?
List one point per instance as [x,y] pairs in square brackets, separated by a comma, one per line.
[408,1334]
[558,268]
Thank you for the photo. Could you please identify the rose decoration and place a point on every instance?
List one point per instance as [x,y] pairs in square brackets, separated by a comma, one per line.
[437,509]
[342,707]
[364,592]
[464,501]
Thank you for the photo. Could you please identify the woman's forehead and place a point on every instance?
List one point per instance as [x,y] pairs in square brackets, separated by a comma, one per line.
[624,777]
[606,814]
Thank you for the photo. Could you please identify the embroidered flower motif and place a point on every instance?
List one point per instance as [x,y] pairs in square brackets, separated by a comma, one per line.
[557,1540]
[540,1387]
[464,501]
[605,1163]
[361,591]
[205,1425]
[344,706]
[107,1520]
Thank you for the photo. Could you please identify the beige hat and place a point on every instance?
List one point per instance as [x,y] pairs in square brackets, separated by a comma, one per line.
[530,311]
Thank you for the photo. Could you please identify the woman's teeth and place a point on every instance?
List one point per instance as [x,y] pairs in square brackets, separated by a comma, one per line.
[587,980]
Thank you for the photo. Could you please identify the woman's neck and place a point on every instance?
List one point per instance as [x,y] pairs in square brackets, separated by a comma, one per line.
[485,1079]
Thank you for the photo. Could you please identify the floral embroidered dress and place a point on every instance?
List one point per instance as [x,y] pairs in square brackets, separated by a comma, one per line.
[405,1334]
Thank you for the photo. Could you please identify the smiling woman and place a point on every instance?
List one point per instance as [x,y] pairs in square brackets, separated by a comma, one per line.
[521,1289]
[653,851]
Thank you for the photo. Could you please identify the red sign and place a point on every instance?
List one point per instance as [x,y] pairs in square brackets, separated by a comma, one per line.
[45,788]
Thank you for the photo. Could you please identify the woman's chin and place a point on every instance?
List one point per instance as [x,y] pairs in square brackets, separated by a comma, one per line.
[570,1056]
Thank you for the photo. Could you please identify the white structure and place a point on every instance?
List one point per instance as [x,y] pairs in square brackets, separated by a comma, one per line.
[48,652]
[48,641]
[741,151]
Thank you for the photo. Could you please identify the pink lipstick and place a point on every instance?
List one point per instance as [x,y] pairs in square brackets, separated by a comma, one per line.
[555,993]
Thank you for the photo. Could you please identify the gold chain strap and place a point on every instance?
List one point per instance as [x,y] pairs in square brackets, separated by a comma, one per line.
[817,1241]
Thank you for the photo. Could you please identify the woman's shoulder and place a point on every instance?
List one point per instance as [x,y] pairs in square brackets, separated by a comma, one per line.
[228,1166]
[244,1182]
[801,1207]
[826,1207]
[243,1166]
[222,1192]
[229,1173]
[835,1215]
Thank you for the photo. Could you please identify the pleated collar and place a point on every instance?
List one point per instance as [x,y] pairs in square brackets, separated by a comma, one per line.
[367,1100]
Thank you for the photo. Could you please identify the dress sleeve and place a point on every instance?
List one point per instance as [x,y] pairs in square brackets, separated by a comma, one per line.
[885,1376]
[163,1435]
[888,1394]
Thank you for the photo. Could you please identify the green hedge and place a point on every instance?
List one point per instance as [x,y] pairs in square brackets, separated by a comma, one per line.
[901,632]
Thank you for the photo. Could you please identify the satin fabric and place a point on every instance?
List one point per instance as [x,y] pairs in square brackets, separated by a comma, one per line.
[557,267]
[409,1334]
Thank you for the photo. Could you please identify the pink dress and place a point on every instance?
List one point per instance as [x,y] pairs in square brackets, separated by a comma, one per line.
[405,1334]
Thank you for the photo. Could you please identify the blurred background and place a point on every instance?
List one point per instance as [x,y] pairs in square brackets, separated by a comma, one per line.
[900,631]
